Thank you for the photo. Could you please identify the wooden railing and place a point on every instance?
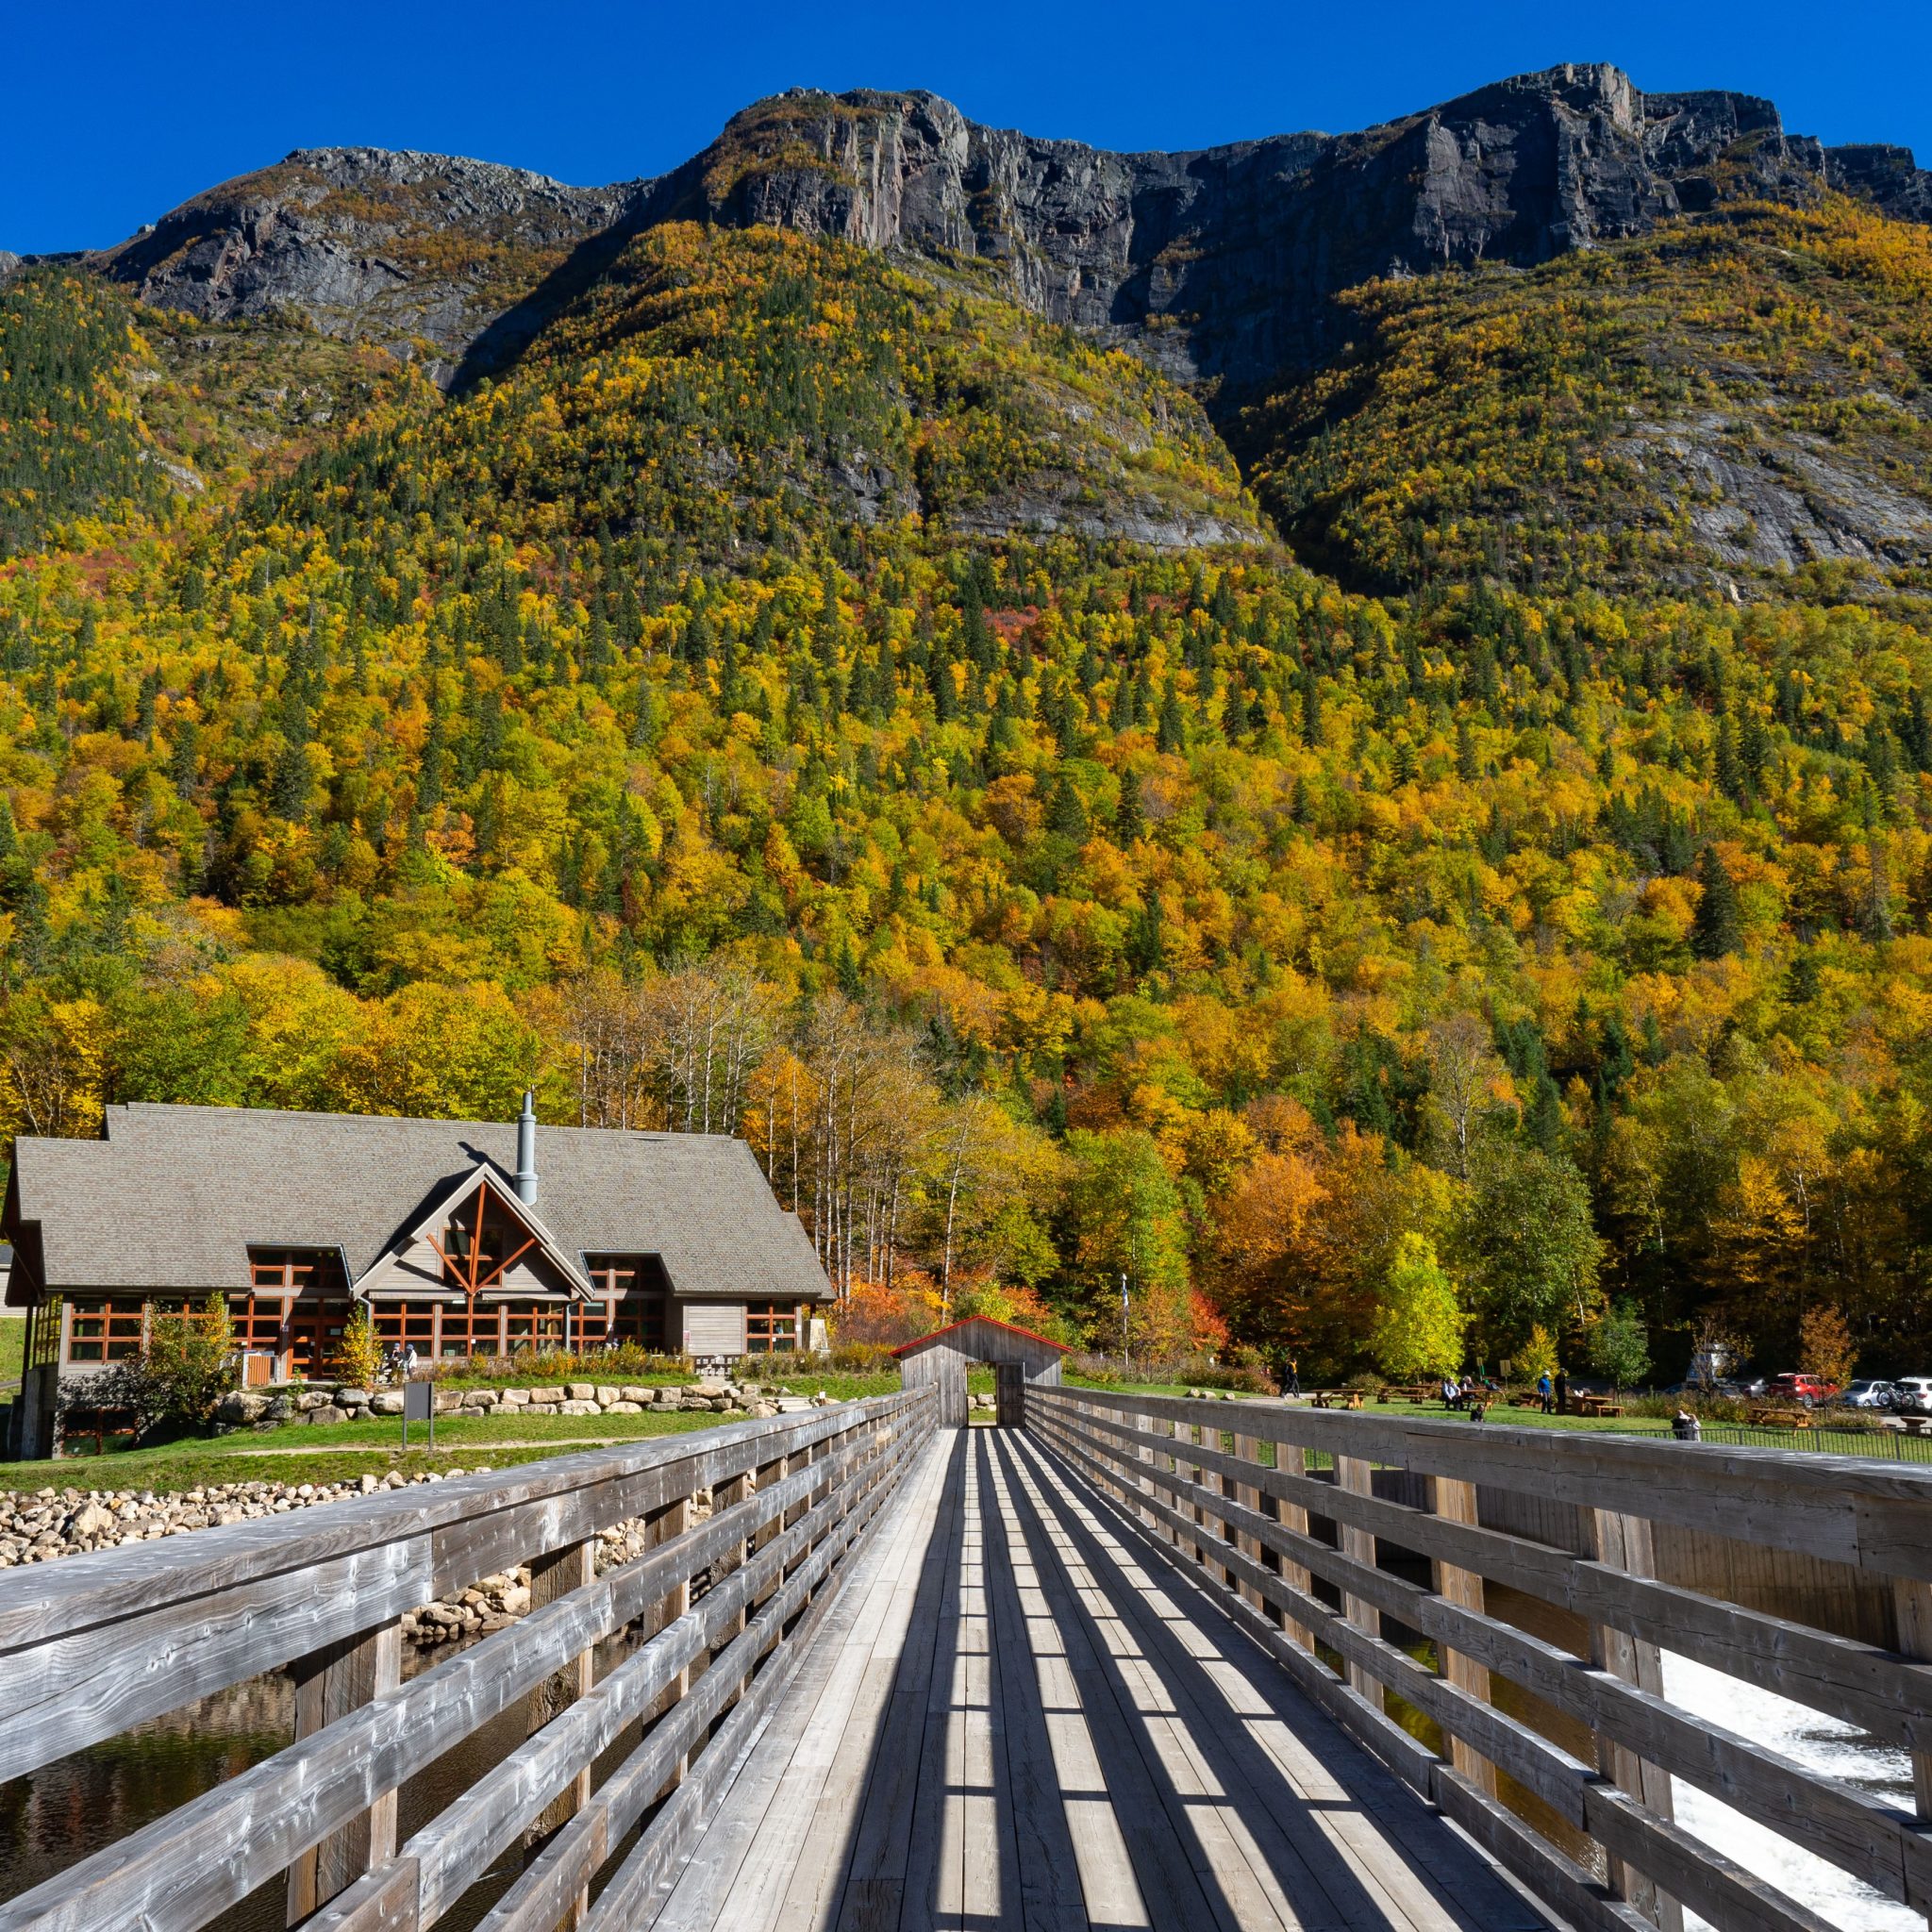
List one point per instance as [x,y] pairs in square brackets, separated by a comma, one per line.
[1533,1713]
[94,1645]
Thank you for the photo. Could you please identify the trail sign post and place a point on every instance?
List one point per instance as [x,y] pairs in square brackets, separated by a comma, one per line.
[419,1406]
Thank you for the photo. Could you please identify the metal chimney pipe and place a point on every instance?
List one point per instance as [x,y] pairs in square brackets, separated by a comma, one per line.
[527,1152]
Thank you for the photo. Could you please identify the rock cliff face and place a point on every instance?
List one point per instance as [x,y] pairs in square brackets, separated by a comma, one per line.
[395,248]
[1221,266]
[1224,263]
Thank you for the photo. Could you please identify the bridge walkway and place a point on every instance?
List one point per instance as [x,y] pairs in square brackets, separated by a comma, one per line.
[1009,1720]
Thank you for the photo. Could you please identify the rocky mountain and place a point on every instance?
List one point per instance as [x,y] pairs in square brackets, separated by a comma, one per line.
[1333,302]
[1222,266]
[401,249]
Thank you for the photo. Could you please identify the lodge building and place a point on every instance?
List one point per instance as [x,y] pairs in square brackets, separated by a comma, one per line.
[463,1237]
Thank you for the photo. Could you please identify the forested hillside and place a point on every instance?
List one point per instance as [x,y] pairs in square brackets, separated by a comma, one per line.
[809,694]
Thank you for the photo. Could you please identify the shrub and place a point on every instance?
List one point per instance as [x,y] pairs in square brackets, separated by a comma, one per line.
[190,1361]
[357,1358]
[860,1358]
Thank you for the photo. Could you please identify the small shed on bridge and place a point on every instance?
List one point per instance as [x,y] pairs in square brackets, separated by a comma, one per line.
[1017,1356]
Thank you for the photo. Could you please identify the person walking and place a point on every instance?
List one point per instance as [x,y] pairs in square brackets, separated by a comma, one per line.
[1543,1392]
[1562,1392]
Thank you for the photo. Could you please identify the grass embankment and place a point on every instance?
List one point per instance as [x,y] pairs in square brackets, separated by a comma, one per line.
[341,1451]
[338,1451]
[1431,1411]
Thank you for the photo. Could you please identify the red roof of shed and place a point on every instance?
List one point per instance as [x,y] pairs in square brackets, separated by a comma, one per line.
[1011,1328]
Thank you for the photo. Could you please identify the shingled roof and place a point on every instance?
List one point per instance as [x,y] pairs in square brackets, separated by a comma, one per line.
[173,1197]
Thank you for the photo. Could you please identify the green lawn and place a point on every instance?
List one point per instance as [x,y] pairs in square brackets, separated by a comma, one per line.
[301,1453]
[12,1353]
[1432,1411]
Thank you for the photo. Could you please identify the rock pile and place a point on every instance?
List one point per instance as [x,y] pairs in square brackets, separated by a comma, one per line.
[323,1403]
[38,1525]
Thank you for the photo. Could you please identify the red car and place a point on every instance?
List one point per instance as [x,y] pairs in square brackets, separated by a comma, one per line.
[1804,1389]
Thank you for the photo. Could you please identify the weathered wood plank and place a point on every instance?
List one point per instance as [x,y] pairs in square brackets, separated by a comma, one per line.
[327,1685]
[98,1642]
[1455,1502]
[1869,1513]
[187,1865]
[1873,1688]
[1870,1839]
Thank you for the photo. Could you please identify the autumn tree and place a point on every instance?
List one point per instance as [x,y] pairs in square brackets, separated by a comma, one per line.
[1420,1321]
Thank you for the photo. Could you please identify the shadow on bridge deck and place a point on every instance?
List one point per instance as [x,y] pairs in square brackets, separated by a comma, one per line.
[1009,1721]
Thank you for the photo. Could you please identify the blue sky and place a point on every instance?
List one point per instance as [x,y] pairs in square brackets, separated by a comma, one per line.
[114,112]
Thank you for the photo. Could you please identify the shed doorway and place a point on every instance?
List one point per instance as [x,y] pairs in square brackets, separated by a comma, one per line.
[1016,1357]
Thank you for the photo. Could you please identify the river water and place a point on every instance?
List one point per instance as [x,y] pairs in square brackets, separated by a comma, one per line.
[1819,1744]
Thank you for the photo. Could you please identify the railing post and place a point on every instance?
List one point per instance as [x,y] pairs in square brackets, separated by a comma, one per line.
[663,1525]
[1456,1501]
[1248,1449]
[767,1475]
[1292,1460]
[329,1684]
[1625,1542]
[1357,1478]
[1913,1604]
[555,1575]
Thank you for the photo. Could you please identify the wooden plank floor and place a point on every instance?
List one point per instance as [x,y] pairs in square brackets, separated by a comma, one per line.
[1008,1721]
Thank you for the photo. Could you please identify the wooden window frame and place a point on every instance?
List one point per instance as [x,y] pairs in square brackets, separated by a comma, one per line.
[769,1331]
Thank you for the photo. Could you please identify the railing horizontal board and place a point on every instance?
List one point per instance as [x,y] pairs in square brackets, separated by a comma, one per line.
[1722,1890]
[1159,1482]
[87,1656]
[186,1866]
[1887,1694]
[1867,1513]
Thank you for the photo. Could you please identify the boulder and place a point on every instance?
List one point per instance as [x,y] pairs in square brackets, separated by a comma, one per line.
[327,1413]
[91,1520]
[583,1406]
[583,1392]
[386,1402]
[242,1406]
[352,1398]
[624,1409]
[637,1395]
[606,1396]
[513,1398]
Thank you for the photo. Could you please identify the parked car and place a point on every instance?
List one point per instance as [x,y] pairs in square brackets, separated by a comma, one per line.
[1869,1392]
[1795,1386]
[1912,1394]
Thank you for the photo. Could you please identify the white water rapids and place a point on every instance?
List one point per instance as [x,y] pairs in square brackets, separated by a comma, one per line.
[1819,1744]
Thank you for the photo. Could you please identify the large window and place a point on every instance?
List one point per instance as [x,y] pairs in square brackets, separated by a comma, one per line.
[405,1325]
[633,1302]
[534,1325]
[768,1326]
[108,1331]
[466,1332]
[296,1270]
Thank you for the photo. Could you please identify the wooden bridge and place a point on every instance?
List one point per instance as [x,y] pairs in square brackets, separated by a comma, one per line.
[1138,1662]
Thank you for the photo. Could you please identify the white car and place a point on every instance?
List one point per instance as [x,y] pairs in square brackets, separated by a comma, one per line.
[1869,1392]
[1912,1394]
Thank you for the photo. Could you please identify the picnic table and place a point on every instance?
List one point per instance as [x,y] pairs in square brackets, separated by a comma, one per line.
[1594,1405]
[1336,1398]
[1779,1418]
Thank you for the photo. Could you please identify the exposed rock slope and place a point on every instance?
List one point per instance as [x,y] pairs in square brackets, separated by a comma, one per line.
[394,248]
[1222,264]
